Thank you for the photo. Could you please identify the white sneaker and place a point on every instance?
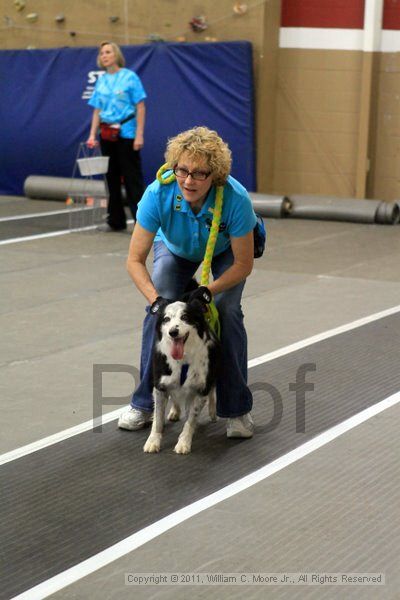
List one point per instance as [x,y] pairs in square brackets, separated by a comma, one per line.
[134,419]
[241,427]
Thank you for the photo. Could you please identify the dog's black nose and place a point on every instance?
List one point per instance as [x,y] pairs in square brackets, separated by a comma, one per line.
[174,332]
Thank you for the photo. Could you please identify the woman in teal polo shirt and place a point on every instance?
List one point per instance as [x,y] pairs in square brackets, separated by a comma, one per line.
[118,100]
[175,218]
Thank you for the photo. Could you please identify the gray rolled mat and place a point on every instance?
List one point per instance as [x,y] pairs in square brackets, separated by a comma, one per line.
[270,206]
[59,188]
[344,209]
[388,213]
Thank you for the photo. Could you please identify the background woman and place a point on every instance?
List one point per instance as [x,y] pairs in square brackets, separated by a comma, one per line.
[118,99]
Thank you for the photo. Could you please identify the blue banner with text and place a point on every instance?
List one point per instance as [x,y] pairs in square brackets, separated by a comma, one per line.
[45,114]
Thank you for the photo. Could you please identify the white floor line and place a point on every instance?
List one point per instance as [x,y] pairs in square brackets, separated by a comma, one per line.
[43,214]
[92,564]
[323,336]
[40,236]
[107,417]
[57,437]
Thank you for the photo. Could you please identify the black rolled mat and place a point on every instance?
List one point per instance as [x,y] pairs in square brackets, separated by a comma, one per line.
[69,501]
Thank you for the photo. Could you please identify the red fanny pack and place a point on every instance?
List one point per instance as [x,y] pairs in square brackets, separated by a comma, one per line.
[110,133]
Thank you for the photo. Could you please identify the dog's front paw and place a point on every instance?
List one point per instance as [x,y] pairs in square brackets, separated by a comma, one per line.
[174,413]
[183,446]
[153,444]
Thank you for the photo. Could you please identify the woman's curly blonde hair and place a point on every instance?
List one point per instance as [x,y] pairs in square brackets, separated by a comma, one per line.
[203,143]
[117,51]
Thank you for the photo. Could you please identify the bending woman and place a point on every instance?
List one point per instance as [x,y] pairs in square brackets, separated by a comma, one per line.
[176,218]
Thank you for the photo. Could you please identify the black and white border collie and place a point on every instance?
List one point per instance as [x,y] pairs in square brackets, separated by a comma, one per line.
[185,365]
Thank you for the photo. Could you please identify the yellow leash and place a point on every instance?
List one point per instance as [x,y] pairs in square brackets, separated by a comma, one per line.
[212,312]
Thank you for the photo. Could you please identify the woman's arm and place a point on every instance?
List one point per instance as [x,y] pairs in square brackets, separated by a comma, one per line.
[91,141]
[140,246]
[243,254]
[138,142]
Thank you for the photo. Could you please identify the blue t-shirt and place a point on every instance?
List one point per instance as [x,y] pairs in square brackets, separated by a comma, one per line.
[164,210]
[116,95]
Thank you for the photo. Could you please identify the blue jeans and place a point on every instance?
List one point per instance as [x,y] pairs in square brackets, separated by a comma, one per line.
[171,275]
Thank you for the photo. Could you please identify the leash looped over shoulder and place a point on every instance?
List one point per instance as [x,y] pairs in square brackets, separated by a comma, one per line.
[212,312]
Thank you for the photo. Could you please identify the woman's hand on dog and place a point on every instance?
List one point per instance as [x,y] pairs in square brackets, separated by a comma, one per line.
[202,294]
[158,304]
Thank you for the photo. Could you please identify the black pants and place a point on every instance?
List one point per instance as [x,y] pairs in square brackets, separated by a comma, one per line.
[124,162]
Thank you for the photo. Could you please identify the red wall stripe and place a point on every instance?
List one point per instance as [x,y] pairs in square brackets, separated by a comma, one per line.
[341,14]
[391,14]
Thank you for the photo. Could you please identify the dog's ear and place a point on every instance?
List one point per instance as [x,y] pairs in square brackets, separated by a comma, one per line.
[191,286]
[162,310]
[159,319]
[197,305]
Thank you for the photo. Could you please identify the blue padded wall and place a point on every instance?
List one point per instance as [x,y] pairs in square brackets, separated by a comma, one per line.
[44,111]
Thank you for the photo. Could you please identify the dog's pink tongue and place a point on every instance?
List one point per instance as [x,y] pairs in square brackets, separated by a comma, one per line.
[177,348]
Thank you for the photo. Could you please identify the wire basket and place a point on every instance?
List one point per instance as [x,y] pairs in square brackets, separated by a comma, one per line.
[95,165]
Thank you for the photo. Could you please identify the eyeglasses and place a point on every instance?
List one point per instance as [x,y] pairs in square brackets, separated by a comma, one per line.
[184,173]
